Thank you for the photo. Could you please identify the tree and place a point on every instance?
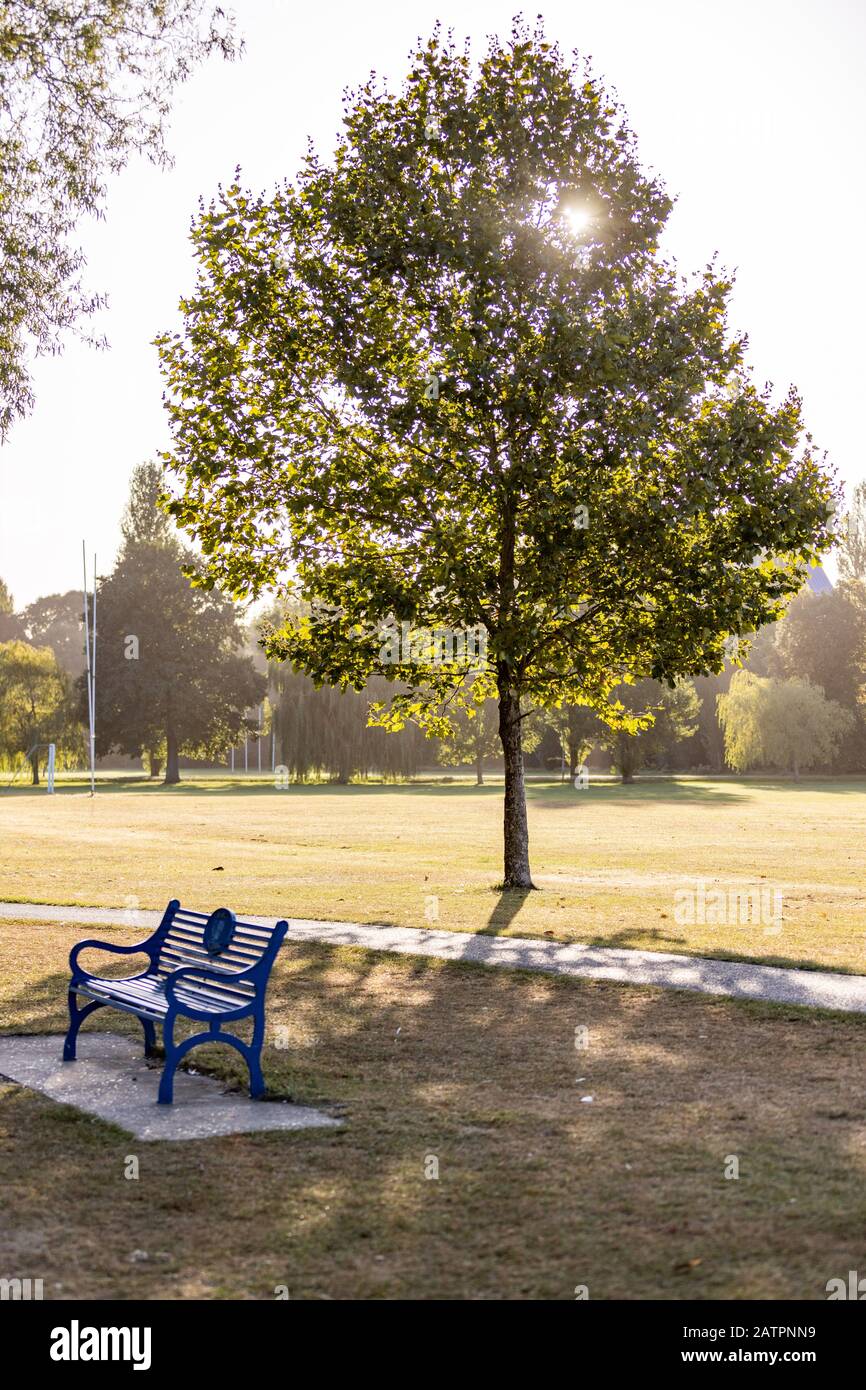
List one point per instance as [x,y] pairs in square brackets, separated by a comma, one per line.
[81,87]
[662,717]
[787,724]
[35,703]
[578,728]
[57,621]
[474,737]
[852,546]
[447,377]
[326,729]
[169,676]
[10,627]
[823,639]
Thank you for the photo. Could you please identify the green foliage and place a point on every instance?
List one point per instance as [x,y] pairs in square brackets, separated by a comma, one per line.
[786,724]
[573,371]
[144,522]
[169,674]
[823,639]
[658,718]
[406,386]
[321,729]
[10,624]
[852,548]
[35,704]
[578,728]
[474,736]
[326,730]
[81,86]
[57,621]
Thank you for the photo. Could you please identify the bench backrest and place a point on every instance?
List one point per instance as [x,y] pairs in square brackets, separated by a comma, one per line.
[180,941]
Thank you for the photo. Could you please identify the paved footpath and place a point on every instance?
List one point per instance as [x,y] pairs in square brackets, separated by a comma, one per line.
[737,979]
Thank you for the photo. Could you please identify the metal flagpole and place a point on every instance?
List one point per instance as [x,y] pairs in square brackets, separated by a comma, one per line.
[89,675]
[93,716]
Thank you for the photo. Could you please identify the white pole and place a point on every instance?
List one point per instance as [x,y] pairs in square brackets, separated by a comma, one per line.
[233,759]
[89,677]
[273,751]
[50,769]
[259,739]
[246,753]
[93,718]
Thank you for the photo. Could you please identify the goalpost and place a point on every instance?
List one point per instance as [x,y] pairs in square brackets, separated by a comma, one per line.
[91,667]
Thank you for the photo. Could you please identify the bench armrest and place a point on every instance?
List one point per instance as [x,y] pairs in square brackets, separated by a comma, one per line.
[204,971]
[113,946]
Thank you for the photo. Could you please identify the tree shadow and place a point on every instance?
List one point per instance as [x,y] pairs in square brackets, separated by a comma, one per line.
[502,1077]
[510,902]
[640,793]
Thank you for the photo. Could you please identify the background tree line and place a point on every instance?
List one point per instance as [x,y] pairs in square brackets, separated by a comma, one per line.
[182,677]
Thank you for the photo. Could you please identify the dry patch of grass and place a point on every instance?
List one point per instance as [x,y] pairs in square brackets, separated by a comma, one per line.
[609,860]
[538,1190]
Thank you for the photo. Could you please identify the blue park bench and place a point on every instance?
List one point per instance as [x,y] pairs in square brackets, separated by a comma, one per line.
[211,968]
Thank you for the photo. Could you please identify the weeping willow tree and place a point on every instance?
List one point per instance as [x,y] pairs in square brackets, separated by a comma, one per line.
[326,731]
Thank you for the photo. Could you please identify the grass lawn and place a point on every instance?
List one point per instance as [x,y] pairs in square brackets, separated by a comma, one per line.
[609,859]
[538,1190]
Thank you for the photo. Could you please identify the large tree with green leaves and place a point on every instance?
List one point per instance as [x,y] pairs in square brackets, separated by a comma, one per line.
[81,87]
[474,736]
[852,547]
[822,639]
[662,716]
[10,625]
[170,676]
[57,621]
[577,727]
[447,375]
[788,724]
[36,706]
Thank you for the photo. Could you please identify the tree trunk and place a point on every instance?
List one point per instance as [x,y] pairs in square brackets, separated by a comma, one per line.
[154,762]
[34,768]
[172,771]
[517,872]
[626,759]
[479,769]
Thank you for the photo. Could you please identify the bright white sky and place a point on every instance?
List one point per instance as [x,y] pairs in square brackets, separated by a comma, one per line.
[752,111]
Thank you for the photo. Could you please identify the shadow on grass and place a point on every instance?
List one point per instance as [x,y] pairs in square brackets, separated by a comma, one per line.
[477,1070]
[510,902]
[648,792]
[709,790]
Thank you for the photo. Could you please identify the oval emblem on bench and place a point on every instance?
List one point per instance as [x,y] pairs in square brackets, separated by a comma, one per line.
[219,930]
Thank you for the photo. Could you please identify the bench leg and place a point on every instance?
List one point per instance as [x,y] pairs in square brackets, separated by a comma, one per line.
[76,1018]
[166,1082]
[149,1037]
[251,1054]
[254,1058]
